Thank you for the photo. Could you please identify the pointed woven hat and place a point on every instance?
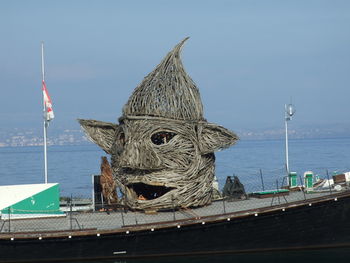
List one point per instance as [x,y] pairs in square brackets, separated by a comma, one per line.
[166,92]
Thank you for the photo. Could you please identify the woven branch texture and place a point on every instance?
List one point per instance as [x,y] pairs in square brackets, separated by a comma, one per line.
[167,92]
[162,150]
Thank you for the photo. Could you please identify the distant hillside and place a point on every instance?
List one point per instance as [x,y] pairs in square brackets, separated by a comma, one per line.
[300,132]
[34,137]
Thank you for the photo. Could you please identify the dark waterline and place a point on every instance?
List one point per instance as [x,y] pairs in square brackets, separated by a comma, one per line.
[319,256]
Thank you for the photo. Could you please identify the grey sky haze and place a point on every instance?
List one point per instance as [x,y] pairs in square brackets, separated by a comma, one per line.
[248,58]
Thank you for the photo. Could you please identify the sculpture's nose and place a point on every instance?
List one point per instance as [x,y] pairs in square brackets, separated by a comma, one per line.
[137,155]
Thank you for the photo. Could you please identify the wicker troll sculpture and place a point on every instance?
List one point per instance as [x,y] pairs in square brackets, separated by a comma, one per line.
[162,150]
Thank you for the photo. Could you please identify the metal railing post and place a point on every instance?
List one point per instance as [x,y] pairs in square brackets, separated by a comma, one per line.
[224,205]
[70,213]
[173,201]
[279,200]
[9,212]
[329,182]
[302,187]
[284,197]
[122,214]
[262,180]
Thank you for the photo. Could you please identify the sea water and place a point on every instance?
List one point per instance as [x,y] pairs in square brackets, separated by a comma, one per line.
[258,164]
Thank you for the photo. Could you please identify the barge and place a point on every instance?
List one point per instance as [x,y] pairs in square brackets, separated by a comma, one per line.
[316,222]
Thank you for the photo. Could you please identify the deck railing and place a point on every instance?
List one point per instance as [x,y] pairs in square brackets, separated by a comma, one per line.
[81,214]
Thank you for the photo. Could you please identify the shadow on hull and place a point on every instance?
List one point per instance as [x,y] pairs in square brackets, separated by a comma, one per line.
[319,256]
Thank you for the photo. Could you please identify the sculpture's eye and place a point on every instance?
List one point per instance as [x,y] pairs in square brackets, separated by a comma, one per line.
[162,137]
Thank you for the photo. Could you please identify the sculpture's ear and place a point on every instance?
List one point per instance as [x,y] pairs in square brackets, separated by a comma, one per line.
[213,137]
[101,133]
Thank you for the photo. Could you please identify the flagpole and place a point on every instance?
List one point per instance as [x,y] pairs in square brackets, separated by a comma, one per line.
[44,112]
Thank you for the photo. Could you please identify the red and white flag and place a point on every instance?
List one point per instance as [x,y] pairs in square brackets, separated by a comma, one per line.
[48,104]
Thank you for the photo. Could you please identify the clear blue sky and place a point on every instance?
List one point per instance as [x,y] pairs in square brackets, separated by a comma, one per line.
[248,58]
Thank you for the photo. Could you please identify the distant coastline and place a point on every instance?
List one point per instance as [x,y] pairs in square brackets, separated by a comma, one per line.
[33,137]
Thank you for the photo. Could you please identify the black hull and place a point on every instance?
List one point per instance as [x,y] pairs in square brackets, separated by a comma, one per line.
[321,223]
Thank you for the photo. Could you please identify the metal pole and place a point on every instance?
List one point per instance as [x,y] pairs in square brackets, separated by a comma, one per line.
[286,127]
[42,61]
[45,152]
[44,112]
[289,112]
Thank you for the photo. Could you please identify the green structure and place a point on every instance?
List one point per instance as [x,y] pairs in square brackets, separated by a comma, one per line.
[292,179]
[308,180]
[30,200]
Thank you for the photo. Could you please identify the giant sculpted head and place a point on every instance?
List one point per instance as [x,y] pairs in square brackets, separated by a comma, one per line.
[162,149]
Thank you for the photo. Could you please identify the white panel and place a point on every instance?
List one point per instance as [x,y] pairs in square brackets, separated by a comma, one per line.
[12,194]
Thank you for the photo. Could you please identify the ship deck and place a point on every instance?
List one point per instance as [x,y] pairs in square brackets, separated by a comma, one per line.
[119,219]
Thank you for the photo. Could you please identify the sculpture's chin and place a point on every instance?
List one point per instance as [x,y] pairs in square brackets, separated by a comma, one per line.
[142,191]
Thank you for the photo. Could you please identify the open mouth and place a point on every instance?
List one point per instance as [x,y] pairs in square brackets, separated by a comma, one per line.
[148,192]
